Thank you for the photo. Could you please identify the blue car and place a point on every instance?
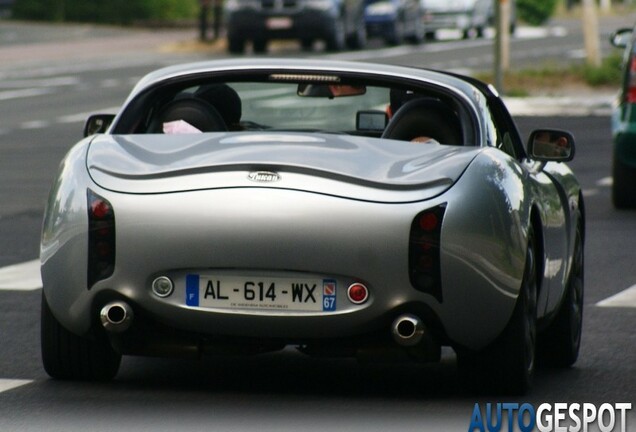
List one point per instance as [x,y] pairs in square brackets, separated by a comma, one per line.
[395,20]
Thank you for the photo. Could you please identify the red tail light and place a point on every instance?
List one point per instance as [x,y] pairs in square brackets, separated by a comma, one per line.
[424,251]
[101,238]
[631,85]
[358,293]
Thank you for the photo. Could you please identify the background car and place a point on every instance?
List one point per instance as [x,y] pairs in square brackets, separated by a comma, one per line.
[624,125]
[339,23]
[471,17]
[395,20]
[347,209]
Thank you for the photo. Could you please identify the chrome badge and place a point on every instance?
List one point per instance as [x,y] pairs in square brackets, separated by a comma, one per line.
[263,176]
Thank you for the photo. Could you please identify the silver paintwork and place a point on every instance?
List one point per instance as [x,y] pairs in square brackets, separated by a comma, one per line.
[197,211]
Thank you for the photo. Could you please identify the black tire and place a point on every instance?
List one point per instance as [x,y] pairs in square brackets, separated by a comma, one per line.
[507,366]
[623,185]
[70,357]
[396,36]
[430,35]
[418,32]
[337,39]
[235,46]
[307,44]
[260,46]
[559,343]
[358,40]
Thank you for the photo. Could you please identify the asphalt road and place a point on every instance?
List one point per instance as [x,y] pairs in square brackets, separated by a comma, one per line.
[42,104]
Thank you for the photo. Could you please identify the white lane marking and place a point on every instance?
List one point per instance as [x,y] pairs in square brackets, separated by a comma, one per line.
[590,192]
[49,82]
[17,94]
[21,277]
[605,182]
[9,384]
[625,299]
[35,124]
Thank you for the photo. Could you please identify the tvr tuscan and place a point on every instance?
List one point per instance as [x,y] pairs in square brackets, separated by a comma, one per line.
[247,205]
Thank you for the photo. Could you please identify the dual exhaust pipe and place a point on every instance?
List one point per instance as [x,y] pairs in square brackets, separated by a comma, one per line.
[408,330]
[116,317]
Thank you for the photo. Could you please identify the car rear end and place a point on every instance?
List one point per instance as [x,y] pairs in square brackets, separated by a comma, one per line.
[455,14]
[262,20]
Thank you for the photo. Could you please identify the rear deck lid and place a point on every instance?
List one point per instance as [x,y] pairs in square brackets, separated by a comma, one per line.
[341,165]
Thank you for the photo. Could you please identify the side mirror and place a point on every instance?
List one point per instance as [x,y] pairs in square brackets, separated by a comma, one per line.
[621,37]
[551,145]
[98,123]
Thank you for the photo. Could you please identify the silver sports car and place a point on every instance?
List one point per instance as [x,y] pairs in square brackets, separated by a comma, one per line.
[347,209]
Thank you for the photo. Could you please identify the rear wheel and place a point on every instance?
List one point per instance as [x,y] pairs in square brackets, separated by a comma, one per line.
[559,343]
[418,32]
[236,45]
[396,35]
[624,185]
[358,39]
[68,356]
[507,366]
[260,46]
[337,38]
[307,44]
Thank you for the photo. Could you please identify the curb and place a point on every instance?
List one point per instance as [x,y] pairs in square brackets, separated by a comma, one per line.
[551,106]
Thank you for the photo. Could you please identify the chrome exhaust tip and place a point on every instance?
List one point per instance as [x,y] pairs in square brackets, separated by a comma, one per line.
[116,316]
[408,330]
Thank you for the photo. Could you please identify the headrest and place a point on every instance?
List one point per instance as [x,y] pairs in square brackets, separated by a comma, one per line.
[194,111]
[225,99]
[425,117]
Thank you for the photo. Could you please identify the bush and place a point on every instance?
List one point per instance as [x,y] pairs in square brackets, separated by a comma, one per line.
[105,11]
[609,73]
[535,12]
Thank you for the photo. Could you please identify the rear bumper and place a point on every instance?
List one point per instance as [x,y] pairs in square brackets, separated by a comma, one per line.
[301,24]
[283,231]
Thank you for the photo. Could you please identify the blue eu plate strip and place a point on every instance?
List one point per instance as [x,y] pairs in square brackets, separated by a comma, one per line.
[192,290]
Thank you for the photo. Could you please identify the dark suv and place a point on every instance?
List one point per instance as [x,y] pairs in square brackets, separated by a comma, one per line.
[340,23]
[624,125]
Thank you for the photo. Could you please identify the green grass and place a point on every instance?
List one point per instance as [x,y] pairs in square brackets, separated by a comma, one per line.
[552,77]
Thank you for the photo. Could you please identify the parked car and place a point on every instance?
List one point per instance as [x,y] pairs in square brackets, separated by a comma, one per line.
[395,20]
[624,125]
[339,23]
[471,17]
[241,206]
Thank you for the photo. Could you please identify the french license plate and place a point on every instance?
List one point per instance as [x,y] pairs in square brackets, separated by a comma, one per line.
[279,23]
[261,293]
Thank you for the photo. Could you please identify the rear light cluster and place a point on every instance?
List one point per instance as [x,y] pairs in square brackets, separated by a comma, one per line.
[631,84]
[424,252]
[101,238]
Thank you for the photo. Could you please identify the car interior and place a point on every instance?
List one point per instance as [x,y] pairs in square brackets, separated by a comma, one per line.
[349,108]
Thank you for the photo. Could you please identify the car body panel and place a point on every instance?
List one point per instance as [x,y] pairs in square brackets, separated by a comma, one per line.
[317,163]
